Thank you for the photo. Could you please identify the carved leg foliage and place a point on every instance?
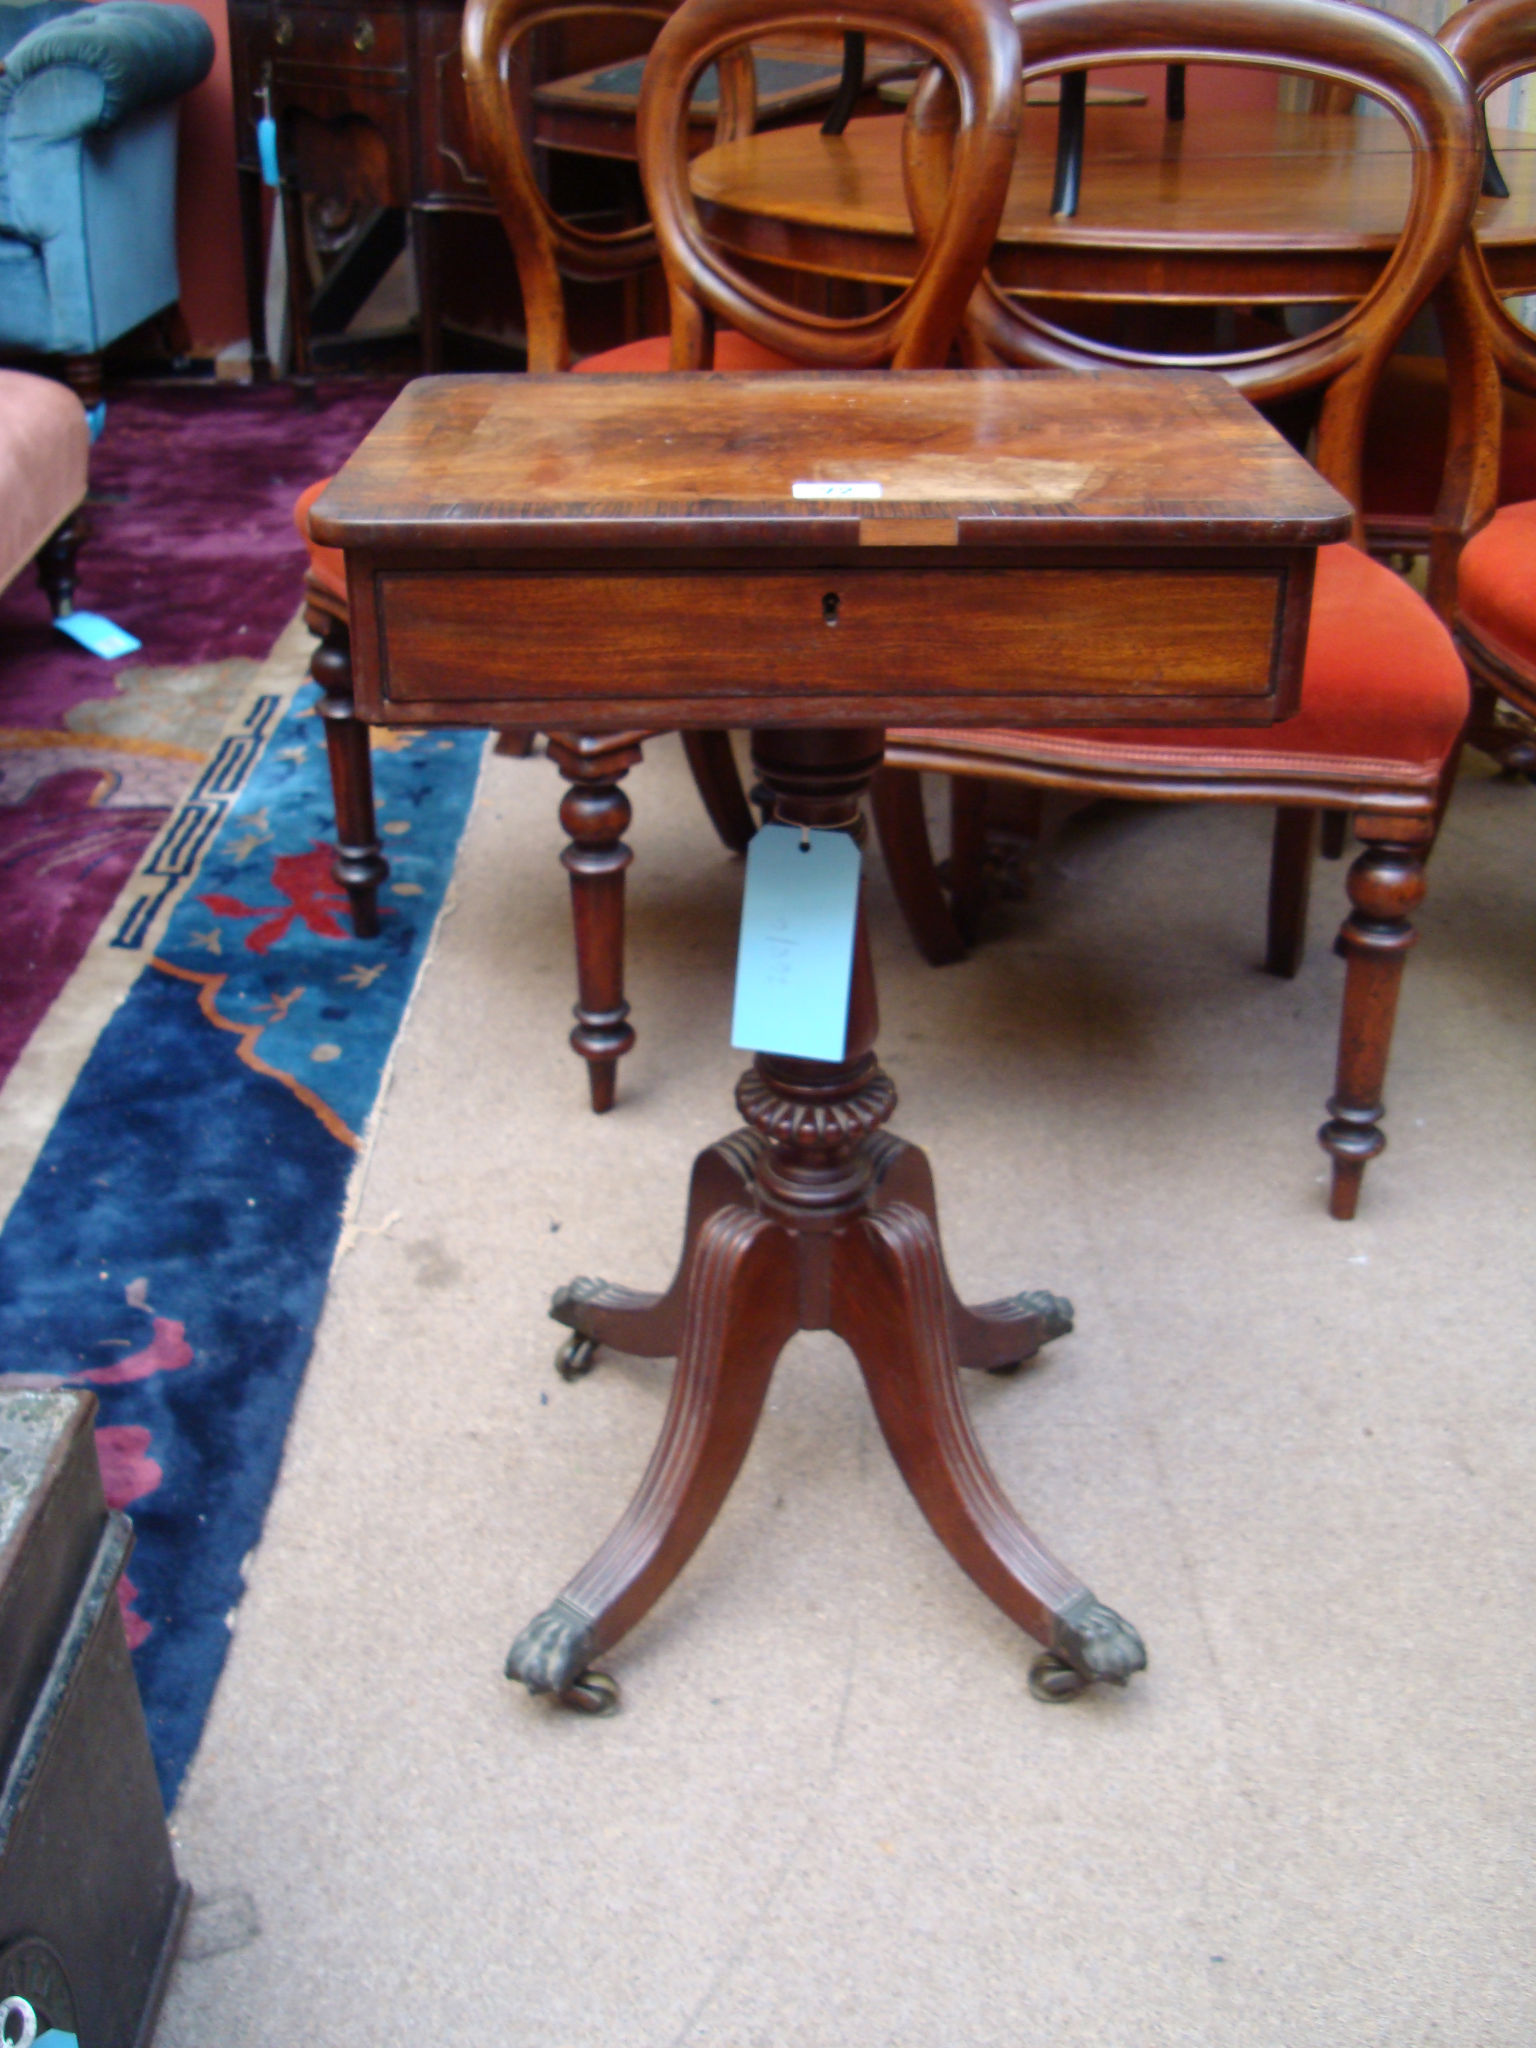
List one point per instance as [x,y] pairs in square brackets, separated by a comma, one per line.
[595,813]
[889,1305]
[359,866]
[645,1325]
[741,1312]
[989,1336]
[1386,884]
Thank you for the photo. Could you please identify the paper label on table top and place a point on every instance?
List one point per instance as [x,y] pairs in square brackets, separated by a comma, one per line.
[98,635]
[929,476]
[794,968]
[832,490]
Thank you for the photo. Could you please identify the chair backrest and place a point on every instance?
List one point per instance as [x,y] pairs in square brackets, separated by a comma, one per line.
[1493,41]
[1356,48]
[973,105]
[546,247]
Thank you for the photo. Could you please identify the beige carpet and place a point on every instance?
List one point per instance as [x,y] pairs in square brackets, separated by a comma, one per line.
[1294,1452]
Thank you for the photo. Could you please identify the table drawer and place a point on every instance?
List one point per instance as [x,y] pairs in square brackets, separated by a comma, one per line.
[350,40]
[990,638]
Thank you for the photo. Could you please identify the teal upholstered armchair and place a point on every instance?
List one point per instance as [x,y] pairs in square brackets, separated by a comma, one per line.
[88,171]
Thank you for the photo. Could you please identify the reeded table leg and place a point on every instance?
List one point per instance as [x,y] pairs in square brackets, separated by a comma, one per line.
[990,1336]
[740,1314]
[651,1325]
[891,1305]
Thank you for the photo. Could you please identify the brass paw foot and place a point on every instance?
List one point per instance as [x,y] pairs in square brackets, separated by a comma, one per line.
[551,1653]
[1054,1310]
[567,1302]
[1094,1643]
[1049,1314]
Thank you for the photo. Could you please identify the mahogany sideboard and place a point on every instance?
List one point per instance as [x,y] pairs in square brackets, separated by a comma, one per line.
[370,107]
[369,103]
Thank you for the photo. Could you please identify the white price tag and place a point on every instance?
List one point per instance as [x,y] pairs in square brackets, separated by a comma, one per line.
[849,490]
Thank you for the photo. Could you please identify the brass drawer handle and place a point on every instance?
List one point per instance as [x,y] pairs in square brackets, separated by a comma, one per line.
[363,36]
[282,35]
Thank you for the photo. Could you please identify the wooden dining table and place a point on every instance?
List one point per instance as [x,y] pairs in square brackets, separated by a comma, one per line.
[1245,208]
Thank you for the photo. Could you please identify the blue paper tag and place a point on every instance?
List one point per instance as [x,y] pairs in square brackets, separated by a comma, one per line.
[266,149]
[56,2038]
[98,635]
[795,965]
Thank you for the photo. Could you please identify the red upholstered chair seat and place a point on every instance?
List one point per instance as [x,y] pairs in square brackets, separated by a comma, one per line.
[732,352]
[1384,695]
[327,566]
[1496,586]
[1405,442]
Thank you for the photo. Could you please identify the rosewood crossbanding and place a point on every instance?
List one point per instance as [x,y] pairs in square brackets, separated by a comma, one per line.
[592,554]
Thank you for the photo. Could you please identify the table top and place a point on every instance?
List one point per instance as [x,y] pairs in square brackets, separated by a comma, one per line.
[1242,208]
[946,458]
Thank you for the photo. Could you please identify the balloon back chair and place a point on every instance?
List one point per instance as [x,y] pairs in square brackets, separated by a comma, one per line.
[1492,574]
[548,250]
[1408,437]
[965,119]
[1384,696]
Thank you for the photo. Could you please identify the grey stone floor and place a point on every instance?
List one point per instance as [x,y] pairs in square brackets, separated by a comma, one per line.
[1295,1452]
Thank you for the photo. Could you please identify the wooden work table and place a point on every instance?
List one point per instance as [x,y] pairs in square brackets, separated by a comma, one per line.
[592,553]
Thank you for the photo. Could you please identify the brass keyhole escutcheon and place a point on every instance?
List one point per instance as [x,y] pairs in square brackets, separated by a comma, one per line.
[830,605]
[282,35]
[363,37]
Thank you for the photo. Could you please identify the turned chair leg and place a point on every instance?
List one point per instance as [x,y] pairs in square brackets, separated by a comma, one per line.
[1386,885]
[896,798]
[969,817]
[718,781]
[1511,743]
[85,377]
[359,866]
[1335,835]
[56,564]
[1290,887]
[595,812]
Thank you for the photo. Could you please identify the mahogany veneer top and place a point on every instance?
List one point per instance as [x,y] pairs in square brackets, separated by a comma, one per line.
[968,459]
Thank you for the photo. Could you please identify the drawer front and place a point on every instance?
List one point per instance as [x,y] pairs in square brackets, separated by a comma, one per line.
[297,41]
[1153,642]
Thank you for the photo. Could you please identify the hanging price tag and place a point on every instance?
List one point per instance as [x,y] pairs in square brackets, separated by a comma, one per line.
[794,968]
[266,138]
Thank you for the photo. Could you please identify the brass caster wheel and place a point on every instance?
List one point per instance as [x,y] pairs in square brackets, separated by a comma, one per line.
[1053,1679]
[593,1693]
[576,1357]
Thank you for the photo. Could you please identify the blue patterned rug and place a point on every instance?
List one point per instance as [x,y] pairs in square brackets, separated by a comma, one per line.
[172,1245]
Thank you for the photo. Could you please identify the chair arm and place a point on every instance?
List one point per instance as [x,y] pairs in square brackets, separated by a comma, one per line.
[140,52]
